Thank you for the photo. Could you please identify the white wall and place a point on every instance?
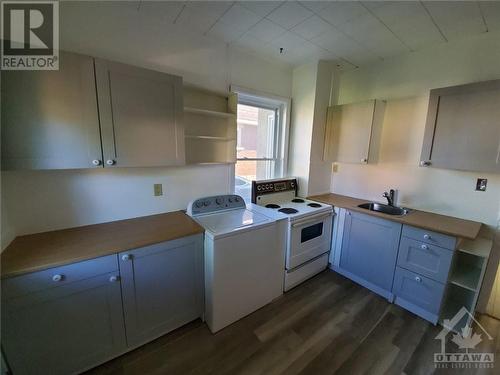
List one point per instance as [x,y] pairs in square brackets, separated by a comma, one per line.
[405,82]
[46,200]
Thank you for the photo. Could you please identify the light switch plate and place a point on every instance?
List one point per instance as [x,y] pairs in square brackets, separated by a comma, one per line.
[481,184]
[158,190]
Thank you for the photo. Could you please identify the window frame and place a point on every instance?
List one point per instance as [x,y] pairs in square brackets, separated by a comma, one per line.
[281,106]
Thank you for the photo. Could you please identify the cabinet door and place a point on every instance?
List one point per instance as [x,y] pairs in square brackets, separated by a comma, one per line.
[49,118]
[370,248]
[141,116]
[64,329]
[353,132]
[463,129]
[162,287]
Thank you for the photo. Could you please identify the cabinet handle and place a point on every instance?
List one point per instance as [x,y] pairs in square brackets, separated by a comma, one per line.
[126,257]
[427,236]
[110,162]
[364,160]
[418,279]
[424,247]
[57,277]
[425,163]
[113,279]
[96,162]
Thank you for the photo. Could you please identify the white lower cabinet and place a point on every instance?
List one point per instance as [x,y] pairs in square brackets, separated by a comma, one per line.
[68,319]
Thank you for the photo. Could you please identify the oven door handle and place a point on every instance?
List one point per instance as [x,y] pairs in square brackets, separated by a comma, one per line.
[311,219]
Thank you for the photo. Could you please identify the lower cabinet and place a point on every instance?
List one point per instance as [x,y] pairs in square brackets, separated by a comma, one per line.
[68,319]
[369,251]
[52,324]
[162,287]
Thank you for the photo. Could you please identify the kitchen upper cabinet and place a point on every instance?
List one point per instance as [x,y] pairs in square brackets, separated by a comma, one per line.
[49,118]
[162,287]
[63,320]
[463,128]
[140,113]
[353,132]
[370,250]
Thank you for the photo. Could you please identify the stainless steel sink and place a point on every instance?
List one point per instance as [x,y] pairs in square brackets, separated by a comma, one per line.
[385,209]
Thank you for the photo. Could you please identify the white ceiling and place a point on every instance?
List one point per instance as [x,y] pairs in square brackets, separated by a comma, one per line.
[353,33]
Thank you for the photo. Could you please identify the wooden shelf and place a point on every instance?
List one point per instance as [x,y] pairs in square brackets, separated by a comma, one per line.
[480,247]
[206,112]
[466,277]
[209,137]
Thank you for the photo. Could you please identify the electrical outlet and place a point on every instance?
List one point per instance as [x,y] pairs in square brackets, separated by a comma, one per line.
[335,168]
[158,189]
[481,184]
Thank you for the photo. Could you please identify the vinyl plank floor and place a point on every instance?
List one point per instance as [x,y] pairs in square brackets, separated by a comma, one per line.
[327,325]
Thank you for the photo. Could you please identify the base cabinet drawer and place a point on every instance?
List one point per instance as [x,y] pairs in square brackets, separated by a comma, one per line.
[427,260]
[419,290]
[427,236]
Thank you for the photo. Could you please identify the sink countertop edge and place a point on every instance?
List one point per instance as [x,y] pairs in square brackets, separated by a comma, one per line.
[449,225]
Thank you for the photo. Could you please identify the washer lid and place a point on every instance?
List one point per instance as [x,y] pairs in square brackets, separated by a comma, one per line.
[231,220]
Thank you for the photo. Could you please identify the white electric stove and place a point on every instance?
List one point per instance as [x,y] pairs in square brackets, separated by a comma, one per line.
[309,230]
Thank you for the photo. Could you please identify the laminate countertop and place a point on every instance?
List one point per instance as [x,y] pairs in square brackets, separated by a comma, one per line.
[438,223]
[40,251]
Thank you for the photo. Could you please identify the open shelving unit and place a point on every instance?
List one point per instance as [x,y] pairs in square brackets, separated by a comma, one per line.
[465,280]
[210,126]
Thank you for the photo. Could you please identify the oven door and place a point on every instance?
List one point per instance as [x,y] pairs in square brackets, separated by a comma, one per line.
[309,237]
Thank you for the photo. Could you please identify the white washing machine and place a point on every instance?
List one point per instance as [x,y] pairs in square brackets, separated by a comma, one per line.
[244,257]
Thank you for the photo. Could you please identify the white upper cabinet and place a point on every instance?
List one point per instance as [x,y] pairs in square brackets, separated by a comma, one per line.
[463,128]
[49,118]
[91,113]
[141,116]
[353,132]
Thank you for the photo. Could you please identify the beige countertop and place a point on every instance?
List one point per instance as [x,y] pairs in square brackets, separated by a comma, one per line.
[439,223]
[51,249]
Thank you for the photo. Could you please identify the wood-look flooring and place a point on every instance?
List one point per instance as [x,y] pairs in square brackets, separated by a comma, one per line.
[328,325]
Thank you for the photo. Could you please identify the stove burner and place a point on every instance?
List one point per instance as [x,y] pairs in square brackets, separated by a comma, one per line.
[298,200]
[314,205]
[288,210]
[272,205]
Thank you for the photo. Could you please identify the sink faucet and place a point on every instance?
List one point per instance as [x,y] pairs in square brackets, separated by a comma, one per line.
[389,196]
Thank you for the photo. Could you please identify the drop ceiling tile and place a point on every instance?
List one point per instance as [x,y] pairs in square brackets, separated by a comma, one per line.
[344,47]
[315,6]
[266,30]
[224,32]
[249,43]
[194,19]
[289,14]
[491,12]
[373,35]
[409,21]
[311,27]
[338,13]
[240,18]
[261,8]
[289,41]
[211,7]
[456,18]
[159,10]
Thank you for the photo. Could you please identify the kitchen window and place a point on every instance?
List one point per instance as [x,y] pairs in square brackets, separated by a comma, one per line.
[262,139]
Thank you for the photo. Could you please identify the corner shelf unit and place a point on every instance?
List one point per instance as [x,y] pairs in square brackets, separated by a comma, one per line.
[465,280]
[210,126]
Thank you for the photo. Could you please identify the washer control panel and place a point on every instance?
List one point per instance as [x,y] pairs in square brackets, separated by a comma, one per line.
[216,203]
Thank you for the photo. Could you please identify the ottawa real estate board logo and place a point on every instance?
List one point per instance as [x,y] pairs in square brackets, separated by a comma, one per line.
[30,35]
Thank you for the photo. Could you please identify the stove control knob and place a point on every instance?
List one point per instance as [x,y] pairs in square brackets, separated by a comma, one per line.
[206,203]
[219,200]
[199,204]
[237,199]
[230,200]
[259,188]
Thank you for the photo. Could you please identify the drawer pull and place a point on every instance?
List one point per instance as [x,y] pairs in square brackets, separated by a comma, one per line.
[424,247]
[57,277]
[113,279]
[427,236]
[126,257]
[418,279]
